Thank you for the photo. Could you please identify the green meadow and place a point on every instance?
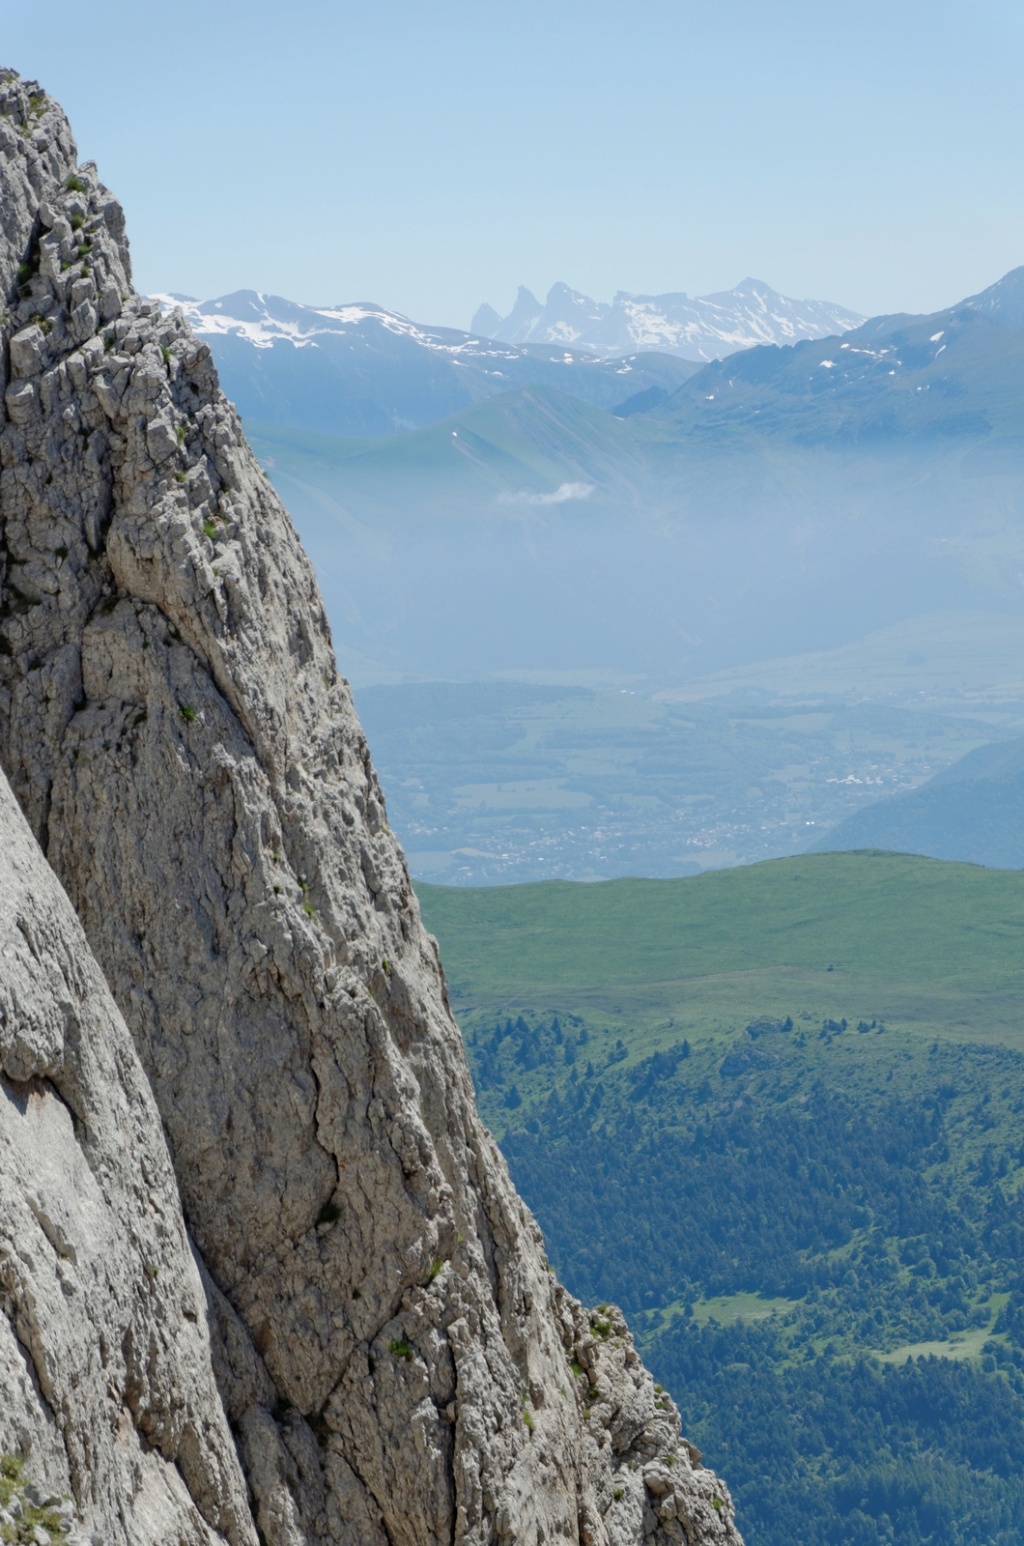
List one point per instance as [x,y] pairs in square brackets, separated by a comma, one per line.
[935,948]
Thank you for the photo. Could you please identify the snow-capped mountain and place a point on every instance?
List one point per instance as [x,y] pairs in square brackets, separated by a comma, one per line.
[361,370]
[704,327]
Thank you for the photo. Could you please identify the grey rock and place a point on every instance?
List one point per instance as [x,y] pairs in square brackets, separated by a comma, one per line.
[20,398]
[393,1353]
[28,351]
[106,1377]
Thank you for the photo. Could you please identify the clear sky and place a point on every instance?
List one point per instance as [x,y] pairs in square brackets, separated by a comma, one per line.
[431,154]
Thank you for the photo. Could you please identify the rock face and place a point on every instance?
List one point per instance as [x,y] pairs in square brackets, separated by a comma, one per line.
[397,1361]
[106,1377]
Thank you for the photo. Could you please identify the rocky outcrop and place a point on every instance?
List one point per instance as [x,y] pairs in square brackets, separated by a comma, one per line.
[106,1378]
[396,1358]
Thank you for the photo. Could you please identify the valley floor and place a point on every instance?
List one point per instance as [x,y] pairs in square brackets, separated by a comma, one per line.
[493,783]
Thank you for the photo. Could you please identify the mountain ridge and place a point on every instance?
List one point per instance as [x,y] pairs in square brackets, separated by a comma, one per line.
[949,375]
[362,370]
[695,328]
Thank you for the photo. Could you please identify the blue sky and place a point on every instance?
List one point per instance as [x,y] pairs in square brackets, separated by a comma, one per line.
[431,156]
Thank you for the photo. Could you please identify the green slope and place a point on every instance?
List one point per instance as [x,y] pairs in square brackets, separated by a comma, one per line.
[937,947]
[805,1186]
[513,450]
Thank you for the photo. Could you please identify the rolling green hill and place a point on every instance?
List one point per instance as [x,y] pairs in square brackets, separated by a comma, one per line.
[937,947]
[776,1113]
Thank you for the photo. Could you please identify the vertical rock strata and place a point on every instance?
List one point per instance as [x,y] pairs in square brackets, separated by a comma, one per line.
[397,1361]
[106,1378]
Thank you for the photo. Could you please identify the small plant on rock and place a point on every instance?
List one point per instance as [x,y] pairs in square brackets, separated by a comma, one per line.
[11,1469]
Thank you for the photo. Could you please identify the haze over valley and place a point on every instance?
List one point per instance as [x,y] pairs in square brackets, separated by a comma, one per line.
[670,604]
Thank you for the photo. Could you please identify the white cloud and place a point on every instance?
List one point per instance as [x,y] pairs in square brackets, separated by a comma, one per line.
[563,493]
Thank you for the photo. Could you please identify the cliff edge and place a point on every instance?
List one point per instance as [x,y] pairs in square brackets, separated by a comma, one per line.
[397,1361]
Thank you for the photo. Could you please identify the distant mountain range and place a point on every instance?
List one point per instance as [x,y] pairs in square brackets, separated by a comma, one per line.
[365,372]
[972,811]
[703,327]
[577,513]
[956,374]
[361,371]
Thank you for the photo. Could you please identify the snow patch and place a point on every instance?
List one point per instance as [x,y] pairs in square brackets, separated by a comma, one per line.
[264,321]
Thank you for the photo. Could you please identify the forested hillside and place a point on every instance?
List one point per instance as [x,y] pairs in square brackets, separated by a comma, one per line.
[816,1219]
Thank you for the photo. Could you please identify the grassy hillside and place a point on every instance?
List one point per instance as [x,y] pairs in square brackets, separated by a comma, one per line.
[936,948]
[806,1186]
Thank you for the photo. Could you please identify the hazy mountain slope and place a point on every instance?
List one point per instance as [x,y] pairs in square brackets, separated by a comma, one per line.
[953,375]
[704,327]
[397,1362]
[972,811]
[362,370]
[560,541]
[955,661]
[519,448]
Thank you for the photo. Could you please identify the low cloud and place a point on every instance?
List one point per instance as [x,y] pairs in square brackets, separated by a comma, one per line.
[563,493]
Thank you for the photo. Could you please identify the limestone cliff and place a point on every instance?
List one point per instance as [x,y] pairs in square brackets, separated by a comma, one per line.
[397,1361]
[106,1379]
